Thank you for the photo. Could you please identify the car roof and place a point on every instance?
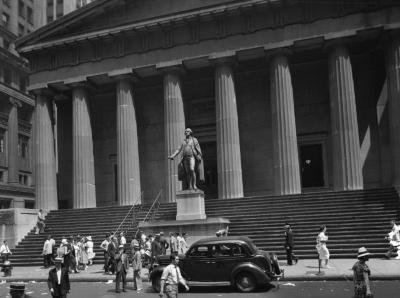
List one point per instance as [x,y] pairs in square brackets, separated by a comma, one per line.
[228,239]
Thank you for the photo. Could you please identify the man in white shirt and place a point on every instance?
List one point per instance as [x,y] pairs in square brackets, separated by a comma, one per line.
[122,239]
[171,277]
[58,280]
[104,247]
[5,251]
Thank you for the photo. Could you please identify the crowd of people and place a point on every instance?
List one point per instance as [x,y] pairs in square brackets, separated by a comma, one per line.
[76,252]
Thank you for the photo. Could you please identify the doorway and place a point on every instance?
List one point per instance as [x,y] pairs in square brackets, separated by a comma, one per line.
[312,165]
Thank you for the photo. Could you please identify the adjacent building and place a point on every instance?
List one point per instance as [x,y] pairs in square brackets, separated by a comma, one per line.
[16,108]
[285,97]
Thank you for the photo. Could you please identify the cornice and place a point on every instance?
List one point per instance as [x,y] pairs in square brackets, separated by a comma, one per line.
[17,190]
[17,94]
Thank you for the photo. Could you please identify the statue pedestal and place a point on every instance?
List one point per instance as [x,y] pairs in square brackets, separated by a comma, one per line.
[190,205]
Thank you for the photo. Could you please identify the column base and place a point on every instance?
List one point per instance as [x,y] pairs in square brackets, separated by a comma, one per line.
[190,205]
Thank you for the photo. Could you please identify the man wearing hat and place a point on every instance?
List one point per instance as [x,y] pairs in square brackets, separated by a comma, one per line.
[58,280]
[137,267]
[361,275]
[289,245]
[121,269]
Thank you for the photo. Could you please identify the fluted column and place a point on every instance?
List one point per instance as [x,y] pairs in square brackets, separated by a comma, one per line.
[84,192]
[127,146]
[45,164]
[229,164]
[13,143]
[284,138]
[174,123]
[393,79]
[347,172]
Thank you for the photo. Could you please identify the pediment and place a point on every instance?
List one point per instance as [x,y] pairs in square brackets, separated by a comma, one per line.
[101,16]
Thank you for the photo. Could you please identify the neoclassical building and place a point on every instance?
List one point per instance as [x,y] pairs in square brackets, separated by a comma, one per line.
[284,97]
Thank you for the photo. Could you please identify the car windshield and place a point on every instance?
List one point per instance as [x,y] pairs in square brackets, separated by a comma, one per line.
[253,247]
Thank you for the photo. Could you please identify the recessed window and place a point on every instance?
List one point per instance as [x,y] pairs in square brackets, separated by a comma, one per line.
[7,76]
[5,18]
[21,9]
[2,141]
[23,146]
[29,14]
[21,30]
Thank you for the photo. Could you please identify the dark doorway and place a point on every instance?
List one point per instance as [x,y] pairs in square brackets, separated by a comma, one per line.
[312,165]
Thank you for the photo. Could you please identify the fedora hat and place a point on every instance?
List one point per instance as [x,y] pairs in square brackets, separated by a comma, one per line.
[362,252]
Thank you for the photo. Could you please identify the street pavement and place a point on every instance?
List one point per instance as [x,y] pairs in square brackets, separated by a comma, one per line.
[304,270]
[301,280]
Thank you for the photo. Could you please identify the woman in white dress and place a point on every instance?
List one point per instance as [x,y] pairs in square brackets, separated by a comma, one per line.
[323,252]
[89,249]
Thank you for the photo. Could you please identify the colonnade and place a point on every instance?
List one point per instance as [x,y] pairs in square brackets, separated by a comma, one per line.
[347,168]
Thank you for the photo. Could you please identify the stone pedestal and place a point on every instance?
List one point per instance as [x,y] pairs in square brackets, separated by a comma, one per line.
[190,205]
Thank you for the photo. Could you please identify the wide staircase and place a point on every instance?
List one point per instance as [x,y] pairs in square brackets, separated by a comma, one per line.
[353,219]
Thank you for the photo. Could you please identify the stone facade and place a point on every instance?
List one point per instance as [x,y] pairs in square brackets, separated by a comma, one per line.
[283,98]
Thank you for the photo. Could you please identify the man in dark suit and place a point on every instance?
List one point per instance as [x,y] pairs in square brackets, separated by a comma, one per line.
[58,280]
[121,269]
[164,243]
[112,250]
[289,245]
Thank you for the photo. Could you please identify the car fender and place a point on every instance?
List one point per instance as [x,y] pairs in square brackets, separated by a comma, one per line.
[259,274]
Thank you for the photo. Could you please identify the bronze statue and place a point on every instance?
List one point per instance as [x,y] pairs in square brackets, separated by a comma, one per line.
[191,161]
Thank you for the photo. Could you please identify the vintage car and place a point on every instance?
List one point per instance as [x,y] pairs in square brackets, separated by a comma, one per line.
[223,260]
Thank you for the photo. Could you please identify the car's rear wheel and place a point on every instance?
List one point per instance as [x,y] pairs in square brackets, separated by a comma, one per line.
[156,283]
[245,282]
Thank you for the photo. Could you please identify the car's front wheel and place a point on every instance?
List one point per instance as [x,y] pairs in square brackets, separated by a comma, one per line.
[245,282]
[156,283]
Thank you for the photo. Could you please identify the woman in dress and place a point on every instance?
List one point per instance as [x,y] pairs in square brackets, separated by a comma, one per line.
[323,252]
[83,257]
[361,275]
[89,249]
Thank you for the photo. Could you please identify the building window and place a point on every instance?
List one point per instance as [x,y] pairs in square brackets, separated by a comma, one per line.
[7,3]
[29,14]
[49,19]
[50,3]
[6,44]
[2,177]
[21,9]
[2,141]
[23,146]
[23,179]
[80,3]
[23,83]
[21,30]
[5,18]
[7,76]
[29,204]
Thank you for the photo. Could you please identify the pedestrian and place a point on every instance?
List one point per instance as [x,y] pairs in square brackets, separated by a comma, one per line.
[323,252]
[112,250]
[104,247]
[394,241]
[47,252]
[5,251]
[156,250]
[137,268]
[40,225]
[121,269]
[173,243]
[289,245]
[183,244]
[58,280]
[72,255]
[122,239]
[164,243]
[361,275]
[171,278]
[89,249]
[65,253]
[83,257]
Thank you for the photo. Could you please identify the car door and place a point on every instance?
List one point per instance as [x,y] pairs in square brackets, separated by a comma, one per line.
[228,257]
[194,266]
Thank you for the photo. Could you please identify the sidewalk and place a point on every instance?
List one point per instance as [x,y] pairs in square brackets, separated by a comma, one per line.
[305,270]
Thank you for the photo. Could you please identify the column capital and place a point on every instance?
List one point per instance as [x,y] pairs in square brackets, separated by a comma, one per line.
[172,67]
[124,74]
[44,91]
[329,45]
[272,54]
[227,58]
[15,102]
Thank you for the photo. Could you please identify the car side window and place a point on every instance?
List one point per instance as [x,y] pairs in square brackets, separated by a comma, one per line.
[221,250]
[238,251]
[199,252]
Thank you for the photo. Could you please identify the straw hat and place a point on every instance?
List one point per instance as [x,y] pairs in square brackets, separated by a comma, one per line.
[121,246]
[89,238]
[58,260]
[64,241]
[362,252]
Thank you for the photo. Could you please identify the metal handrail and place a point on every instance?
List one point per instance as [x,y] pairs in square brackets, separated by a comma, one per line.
[152,205]
[130,210]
